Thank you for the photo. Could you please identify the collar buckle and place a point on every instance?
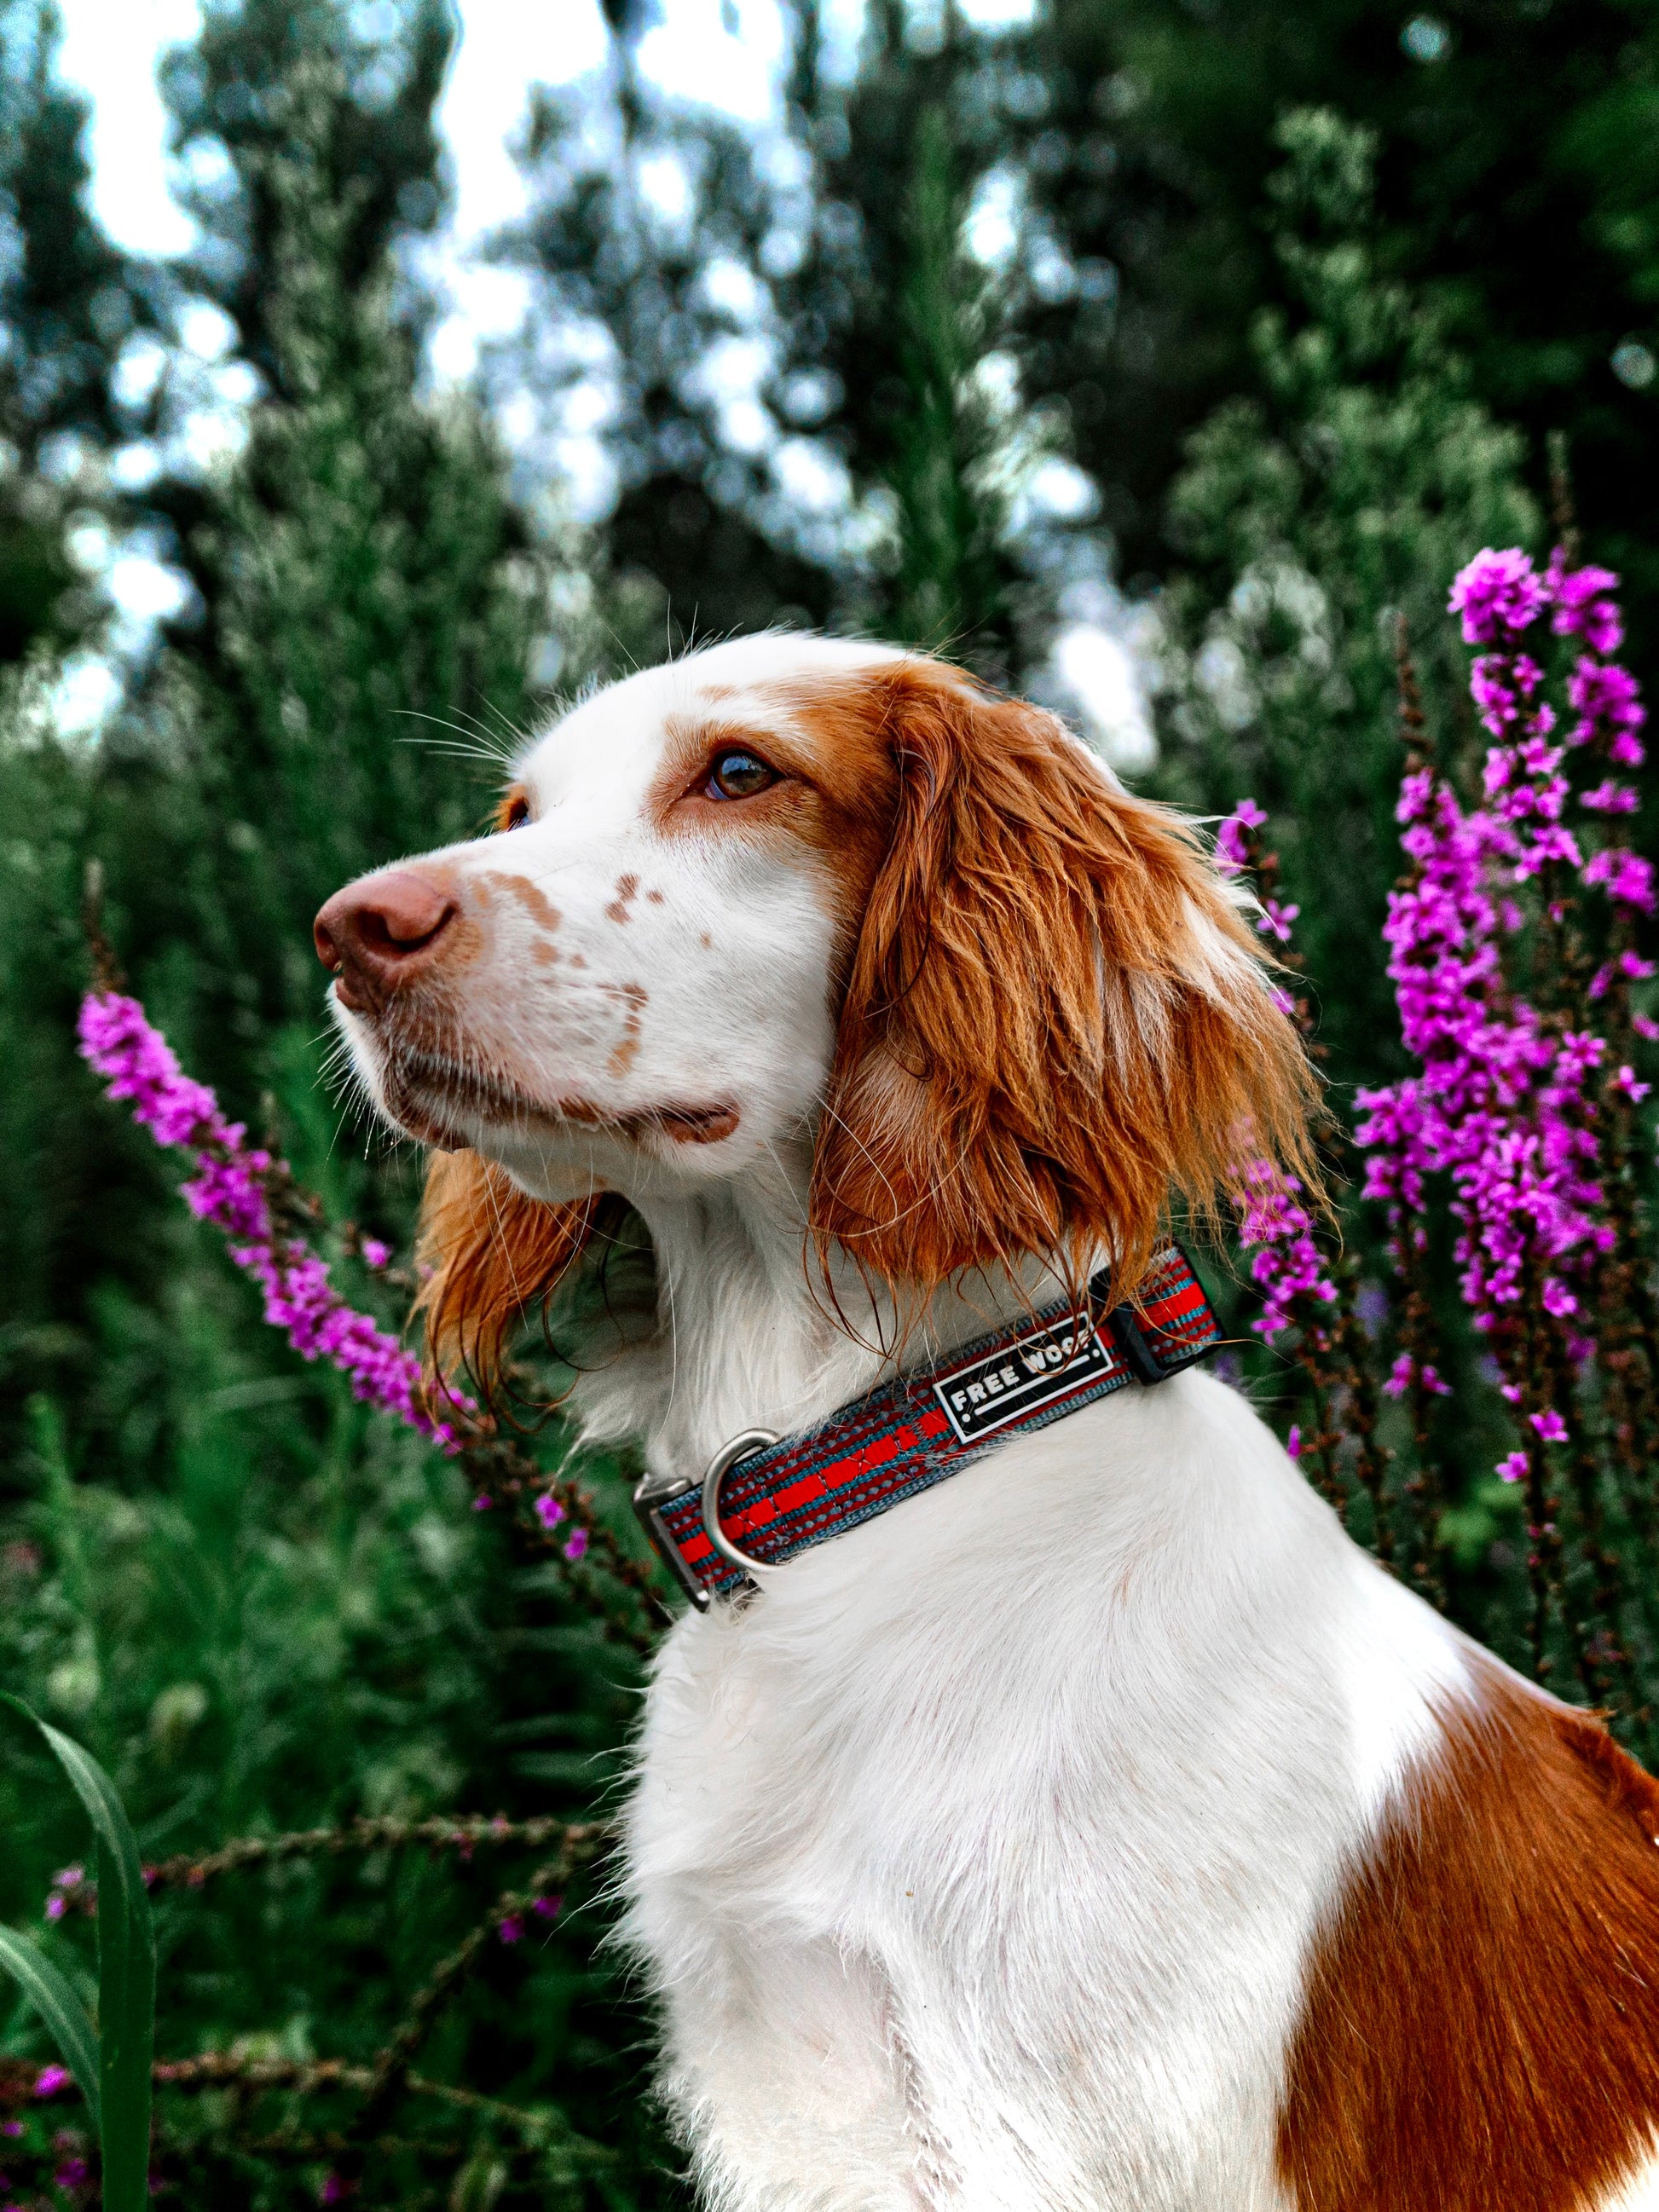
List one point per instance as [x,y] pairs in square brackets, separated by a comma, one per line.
[656,1491]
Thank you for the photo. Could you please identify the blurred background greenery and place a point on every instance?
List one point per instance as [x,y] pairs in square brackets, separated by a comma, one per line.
[1150,355]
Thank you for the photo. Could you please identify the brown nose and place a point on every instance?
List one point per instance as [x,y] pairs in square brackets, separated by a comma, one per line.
[384,931]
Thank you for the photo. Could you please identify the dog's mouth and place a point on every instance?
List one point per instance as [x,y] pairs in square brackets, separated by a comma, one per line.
[428,1094]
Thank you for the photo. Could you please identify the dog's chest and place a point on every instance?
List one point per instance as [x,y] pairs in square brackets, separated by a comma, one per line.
[1008,1834]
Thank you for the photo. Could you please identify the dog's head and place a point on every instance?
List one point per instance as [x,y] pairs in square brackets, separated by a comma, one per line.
[792,901]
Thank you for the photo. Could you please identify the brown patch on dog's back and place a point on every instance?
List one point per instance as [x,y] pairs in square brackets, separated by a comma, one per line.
[1480,2031]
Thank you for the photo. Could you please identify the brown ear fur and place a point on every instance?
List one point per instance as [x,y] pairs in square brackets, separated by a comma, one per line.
[494,1256]
[1055,1017]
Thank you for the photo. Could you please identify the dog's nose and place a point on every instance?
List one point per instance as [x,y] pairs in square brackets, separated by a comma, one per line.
[384,931]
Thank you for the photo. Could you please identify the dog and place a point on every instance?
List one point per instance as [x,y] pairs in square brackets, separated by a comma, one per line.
[1099,1827]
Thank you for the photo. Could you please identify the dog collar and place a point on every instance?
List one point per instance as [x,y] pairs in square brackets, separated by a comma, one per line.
[766,1498]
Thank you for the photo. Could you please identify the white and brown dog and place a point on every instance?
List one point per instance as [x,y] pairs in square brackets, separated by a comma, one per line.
[1100,1828]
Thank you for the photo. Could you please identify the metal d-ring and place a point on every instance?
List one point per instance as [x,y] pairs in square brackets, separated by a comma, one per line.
[740,1447]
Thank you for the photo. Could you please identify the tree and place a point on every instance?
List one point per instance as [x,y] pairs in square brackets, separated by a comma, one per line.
[67,300]
[1128,148]
[1345,496]
[366,589]
[1515,180]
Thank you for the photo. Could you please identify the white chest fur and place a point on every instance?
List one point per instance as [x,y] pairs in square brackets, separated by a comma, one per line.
[975,1863]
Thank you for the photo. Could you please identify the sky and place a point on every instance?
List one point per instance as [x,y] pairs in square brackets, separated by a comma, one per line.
[727,52]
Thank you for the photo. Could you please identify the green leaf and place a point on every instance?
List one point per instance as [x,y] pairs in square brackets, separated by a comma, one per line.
[49,1991]
[126,1975]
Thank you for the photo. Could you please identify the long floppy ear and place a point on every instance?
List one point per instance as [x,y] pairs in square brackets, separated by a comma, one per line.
[494,1256]
[1056,1018]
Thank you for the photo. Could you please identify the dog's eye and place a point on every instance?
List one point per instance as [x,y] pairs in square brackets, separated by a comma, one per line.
[738,775]
[514,811]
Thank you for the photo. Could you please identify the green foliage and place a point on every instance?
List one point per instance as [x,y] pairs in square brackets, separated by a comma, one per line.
[53,1997]
[1316,516]
[269,1612]
[1514,178]
[67,302]
[112,2063]
[370,590]
[947,586]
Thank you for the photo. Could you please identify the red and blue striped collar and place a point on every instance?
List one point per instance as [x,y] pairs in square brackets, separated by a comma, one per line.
[764,1497]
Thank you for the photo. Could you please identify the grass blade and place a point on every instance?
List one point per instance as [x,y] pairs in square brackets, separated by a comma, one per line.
[49,1991]
[126,1975]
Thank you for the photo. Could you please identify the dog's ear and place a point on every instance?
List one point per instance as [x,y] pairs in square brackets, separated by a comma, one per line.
[1055,1018]
[494,1256]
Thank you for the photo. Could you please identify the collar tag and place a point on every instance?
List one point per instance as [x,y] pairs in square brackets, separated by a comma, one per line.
[1021,1377]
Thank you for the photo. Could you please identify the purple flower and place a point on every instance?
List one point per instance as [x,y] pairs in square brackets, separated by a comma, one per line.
[1608,704]
[1504,1105]
[1288,1267]
[229,1188]
[71,2174]
[230,1185]
[548,1511]
[1627,876]
[1275,919]
[1584,604]
[1498,595]
[1610,797]
[375,1254]
[547,1908]
[1232,843]
[1293,1442]
[1406,1372]
[49,2079]
[510,1929]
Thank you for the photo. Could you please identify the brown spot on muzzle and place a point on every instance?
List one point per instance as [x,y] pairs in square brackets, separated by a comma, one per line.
[633,997]
[529,896]
[628,889]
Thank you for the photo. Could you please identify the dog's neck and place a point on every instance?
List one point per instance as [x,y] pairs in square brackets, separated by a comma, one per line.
[754,1331]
